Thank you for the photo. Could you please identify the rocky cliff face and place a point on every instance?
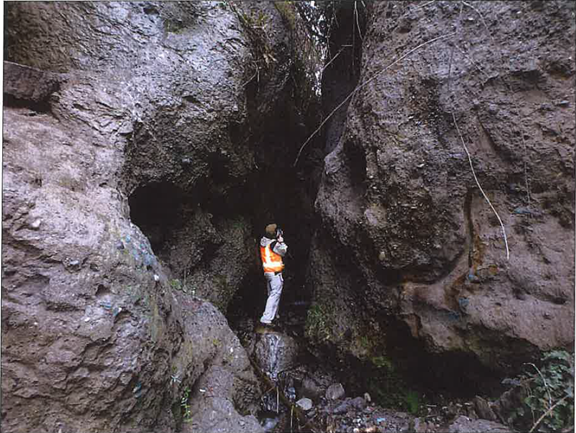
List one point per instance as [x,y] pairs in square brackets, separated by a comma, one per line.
[129,145]
[408,246]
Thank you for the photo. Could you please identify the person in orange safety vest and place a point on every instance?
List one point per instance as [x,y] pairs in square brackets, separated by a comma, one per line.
[272,249]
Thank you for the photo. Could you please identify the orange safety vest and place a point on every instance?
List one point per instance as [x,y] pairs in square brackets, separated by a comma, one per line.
[271,261]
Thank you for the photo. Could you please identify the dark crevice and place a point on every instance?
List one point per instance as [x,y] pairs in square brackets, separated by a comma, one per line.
[157,209]
[35,106]
[343,71]
[356,159]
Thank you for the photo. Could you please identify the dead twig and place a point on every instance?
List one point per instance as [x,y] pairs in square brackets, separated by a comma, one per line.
[544,380]
[357,23]
[480,187]
[360,86]
[545,414]
[453,44]
[280,396]
[526,169]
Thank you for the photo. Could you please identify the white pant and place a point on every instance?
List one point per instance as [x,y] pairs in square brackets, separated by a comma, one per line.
[274,284]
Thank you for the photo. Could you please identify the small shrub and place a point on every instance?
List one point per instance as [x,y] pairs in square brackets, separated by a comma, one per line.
[255,25]
[384,362]
[175,284]
[412,402]
[184,404]
[550,391]
[317,323]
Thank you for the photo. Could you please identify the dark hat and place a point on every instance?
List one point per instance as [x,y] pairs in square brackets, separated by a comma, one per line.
[271,231]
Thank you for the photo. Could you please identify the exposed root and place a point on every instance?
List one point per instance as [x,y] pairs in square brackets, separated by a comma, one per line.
[528,195]
[452,50]
[548,412]
[360,86]
[357,22]
[335,57]
[480,187]
[481,18]
[489,35]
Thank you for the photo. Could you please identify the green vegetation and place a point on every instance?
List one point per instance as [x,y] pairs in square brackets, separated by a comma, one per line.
[255,28]
[383,362]
[175,284]
[393,393]
[182,286]
[549,405]
[288,12]
[185,406]
[412,401]
[389,389]
[307,57]
[317,324]
[241,225]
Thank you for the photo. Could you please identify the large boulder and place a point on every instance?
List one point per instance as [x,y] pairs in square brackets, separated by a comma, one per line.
[408,242]
[275,354]
[94,337]
[225,391]
[127,155]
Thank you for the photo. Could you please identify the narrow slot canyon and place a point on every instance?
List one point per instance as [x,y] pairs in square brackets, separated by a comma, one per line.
[417,156]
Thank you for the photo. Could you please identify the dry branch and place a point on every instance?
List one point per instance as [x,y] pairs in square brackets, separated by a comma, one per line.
[480,187]
[360,86]
[280,396]
[545,414]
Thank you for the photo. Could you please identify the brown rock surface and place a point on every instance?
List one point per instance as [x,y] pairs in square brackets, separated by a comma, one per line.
[406,234]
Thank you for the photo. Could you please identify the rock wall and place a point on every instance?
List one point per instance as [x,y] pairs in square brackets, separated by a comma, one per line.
[408,245]
[129,147]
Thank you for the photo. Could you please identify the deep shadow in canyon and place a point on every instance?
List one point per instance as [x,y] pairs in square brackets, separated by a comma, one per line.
[281,193]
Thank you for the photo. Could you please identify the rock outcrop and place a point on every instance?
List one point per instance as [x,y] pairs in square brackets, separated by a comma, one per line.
[94,337]
[128,150]
[407,240]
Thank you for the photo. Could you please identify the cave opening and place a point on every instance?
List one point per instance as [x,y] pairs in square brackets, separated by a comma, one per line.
[156,208]
[283,198]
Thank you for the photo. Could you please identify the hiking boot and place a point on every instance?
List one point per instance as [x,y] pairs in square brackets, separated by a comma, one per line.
[264,328]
